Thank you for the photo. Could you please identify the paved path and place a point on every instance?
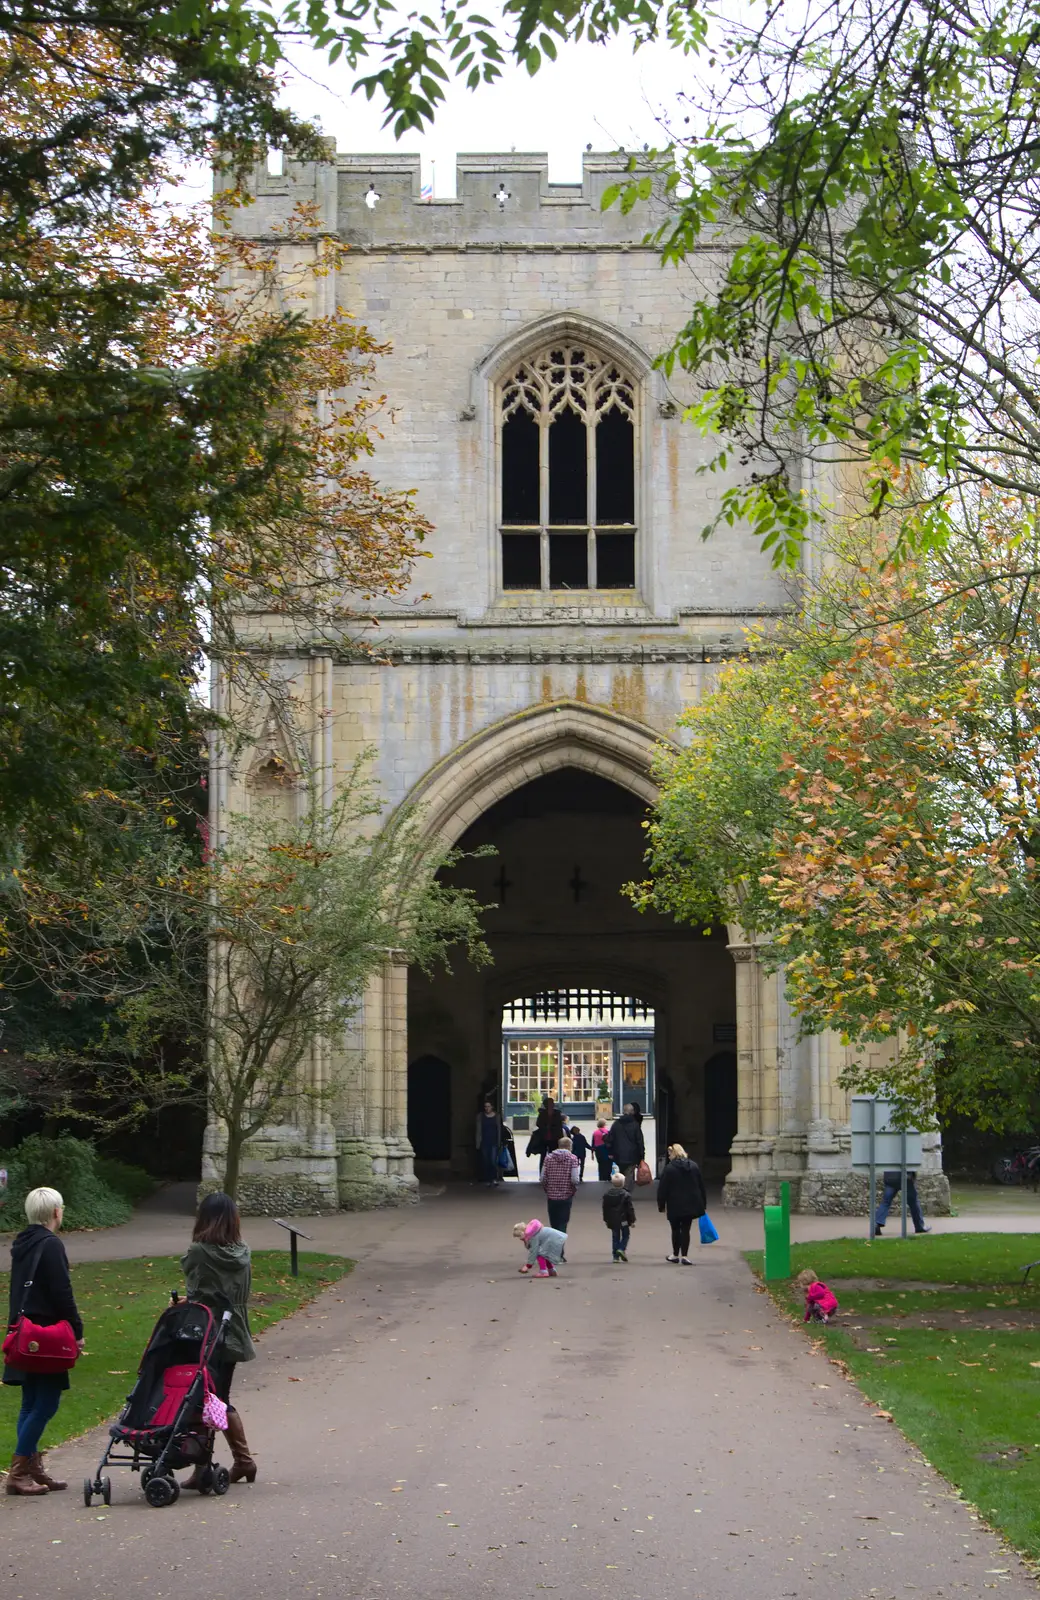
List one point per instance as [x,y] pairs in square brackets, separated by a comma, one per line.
[441,1428]
[162,1224]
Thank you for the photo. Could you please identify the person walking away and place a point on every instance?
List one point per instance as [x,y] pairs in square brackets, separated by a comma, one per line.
[680,1193]
[626,1144]
[619,1214]
[218,1272]
[544,1247]
[580,1150]
[893,1182]
[560,1182]
[549,1123]
[601,1150]
[42,1288]
[489,1144]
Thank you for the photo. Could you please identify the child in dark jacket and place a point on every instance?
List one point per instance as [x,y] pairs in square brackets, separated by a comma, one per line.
[619,1214]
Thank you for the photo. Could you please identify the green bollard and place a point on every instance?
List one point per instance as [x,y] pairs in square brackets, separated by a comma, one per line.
[777,1221]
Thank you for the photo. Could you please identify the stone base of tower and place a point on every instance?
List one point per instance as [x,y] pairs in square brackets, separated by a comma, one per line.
[375,1172]
[289,1172]
[285,1171]
[832,1193]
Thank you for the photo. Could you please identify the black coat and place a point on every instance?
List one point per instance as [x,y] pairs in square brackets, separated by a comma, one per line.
[550,1125]
[618,1208]
[579,1144]
[680,1189]
[50,1299]
[626,1142]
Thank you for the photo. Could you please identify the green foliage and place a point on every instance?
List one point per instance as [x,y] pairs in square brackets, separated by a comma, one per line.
[70,1166]
[711,834]
[120,1301]
[161,460]
[863,802]
[286,921]
[133,1183]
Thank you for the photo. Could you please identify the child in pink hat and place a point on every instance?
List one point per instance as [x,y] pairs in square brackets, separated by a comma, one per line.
[544,1246]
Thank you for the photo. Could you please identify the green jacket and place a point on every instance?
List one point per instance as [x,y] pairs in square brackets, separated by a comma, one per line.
[220,1276]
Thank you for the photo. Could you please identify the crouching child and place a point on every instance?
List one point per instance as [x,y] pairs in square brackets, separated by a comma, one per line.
[544,1246]
[820,1302]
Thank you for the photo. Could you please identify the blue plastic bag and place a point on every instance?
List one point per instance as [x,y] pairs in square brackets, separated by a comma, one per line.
[709,1233]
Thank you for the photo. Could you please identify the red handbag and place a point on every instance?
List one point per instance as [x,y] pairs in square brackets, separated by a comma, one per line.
[36,1347]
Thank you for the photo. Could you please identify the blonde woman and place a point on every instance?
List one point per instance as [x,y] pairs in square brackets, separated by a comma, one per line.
[680,1192]
[42,1288]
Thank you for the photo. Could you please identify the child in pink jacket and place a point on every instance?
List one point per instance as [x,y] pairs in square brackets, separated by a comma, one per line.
[820,1302]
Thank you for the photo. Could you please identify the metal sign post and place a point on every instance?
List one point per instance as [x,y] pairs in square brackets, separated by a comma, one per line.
[877,1142]
[294,1234]
[872,1197]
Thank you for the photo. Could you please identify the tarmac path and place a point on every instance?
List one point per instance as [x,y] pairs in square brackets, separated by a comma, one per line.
[439,1427]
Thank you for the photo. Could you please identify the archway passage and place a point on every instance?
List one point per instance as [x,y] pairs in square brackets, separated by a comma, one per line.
[565,844]
[429,1109]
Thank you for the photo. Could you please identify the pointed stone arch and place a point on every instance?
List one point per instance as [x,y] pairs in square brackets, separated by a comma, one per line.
[510,753]
[567,327]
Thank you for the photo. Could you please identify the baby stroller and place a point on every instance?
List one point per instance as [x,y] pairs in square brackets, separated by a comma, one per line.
[161,1424]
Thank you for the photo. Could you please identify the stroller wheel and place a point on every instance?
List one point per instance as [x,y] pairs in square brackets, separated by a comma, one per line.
[106,1490]
[221,1480]
[206,1480]
[161,1491]
[88,1491]
[147,1474]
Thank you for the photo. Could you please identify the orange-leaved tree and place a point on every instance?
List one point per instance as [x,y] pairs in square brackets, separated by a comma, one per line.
[877,827]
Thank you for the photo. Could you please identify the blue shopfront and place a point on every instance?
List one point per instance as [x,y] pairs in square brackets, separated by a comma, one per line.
[590,1050]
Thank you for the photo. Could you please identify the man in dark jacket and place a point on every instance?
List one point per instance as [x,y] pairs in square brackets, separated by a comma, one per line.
[580,1148]
[626,1144]
[42,1289]
[549,1125]
[680,1192]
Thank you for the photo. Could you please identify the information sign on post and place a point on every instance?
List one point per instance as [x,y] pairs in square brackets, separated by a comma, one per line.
[877,1142]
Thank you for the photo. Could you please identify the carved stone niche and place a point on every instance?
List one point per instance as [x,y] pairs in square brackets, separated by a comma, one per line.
[272,768]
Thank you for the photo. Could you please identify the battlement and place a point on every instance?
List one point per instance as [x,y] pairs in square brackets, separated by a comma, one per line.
[502,201]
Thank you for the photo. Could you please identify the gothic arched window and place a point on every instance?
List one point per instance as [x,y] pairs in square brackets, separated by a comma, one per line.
[568,476]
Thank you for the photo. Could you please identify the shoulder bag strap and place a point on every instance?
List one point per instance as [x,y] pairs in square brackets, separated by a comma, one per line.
[33,1268]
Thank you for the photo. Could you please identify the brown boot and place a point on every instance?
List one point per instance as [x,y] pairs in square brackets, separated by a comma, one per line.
[39,1473]
[196,1473]
[244,1466]
[20,1479]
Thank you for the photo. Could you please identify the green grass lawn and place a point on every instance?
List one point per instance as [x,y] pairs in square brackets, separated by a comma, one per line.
[119,1302]
[955,1357]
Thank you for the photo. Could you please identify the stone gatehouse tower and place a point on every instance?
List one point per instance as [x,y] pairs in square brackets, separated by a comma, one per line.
[569,612]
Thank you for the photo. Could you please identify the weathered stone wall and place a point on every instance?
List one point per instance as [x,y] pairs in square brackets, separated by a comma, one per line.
[476,690]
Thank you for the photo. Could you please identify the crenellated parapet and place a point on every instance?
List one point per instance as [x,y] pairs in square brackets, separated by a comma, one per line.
[501,202]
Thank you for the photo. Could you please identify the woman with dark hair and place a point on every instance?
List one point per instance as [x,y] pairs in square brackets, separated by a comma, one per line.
[217,1272]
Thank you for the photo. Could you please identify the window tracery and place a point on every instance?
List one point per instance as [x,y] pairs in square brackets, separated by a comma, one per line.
[568,517]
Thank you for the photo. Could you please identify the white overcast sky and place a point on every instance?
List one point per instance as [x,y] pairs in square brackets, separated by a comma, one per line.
[601,95]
